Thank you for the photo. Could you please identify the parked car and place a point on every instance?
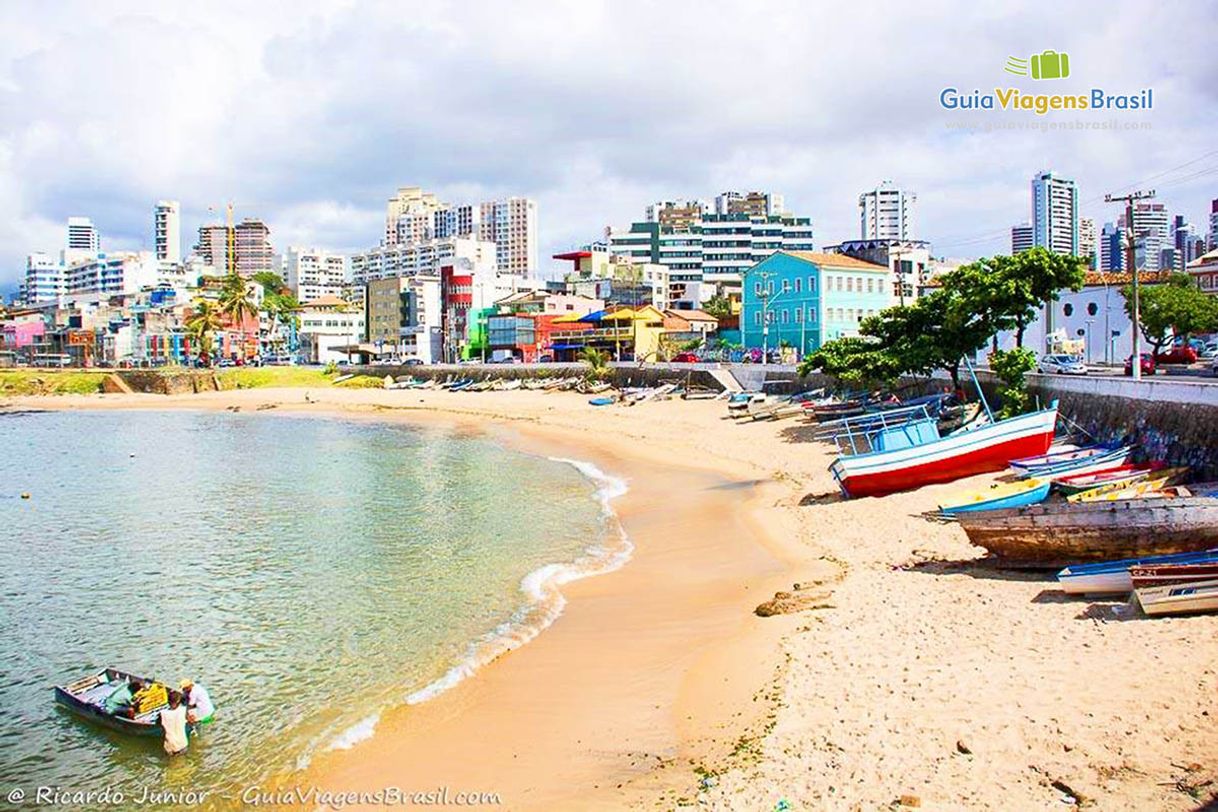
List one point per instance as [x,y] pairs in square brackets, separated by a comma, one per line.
[413,362]
[1180,354]
[685,358]
[1208,351]
[1148,364]
[1061,364]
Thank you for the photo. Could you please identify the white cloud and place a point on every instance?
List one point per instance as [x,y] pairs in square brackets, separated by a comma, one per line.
[310,116]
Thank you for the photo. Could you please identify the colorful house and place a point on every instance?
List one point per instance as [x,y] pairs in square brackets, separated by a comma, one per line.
[802,299]
[625,333]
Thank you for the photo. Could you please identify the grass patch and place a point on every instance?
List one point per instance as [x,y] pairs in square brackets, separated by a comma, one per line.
[50,382]
[363,382]
[263,377]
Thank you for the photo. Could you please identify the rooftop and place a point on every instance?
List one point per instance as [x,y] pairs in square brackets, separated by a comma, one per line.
[835,260]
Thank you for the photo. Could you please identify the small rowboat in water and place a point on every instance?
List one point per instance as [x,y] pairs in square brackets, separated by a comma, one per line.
[1200,596]
[999,495]
[86,698]
[1115,576]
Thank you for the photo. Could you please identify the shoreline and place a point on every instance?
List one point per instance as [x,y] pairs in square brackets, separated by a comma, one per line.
[910,673]
[668,721]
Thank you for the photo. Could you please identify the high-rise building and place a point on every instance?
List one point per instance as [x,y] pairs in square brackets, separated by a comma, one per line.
[167,231]
[887,213]
[44,279]
[1184,239]
[1213,239]
[252,250]
[1021,238]
[82,235]
[512,225]
[1055,213]
[403,316]
[1151,234]
[1087,241]
[312,273]
[408,215]
[679,215]
[1112,248]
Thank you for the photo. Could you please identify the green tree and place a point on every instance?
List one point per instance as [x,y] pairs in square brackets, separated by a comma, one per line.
[204,321]
[237,304]
[271,282]
[1173,309]
[1012,367]
[718,306]
[597,363]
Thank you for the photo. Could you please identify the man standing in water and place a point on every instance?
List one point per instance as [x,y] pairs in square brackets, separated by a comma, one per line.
[173,721]
[199,709]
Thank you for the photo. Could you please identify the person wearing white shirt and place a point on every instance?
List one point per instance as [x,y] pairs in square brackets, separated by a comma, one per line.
[173,722]
[199,707]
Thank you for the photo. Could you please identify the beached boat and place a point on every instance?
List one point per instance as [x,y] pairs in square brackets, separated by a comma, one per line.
[1148,575]
[1146,489]
[86,697]
[1199,596]
[1062,533]
[1107,479]
[999,495]
[914,454]
[1071,463]
[1114,576]
[602,401]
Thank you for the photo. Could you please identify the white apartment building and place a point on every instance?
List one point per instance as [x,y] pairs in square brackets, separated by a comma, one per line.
[326,324]
[422,257]
[44,279]
[1151,233]
[512,225]
[1055,213]
[312,273]
[887,213]
[408,215]
[1213,238]
[113,274]
[82,235]
[1087,237]
[167,231]
[754,204]
[672,289]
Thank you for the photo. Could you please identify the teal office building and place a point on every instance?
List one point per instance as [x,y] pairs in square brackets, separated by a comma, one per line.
[802,299]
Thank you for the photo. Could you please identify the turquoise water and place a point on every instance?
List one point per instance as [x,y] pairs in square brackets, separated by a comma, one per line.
[310,572]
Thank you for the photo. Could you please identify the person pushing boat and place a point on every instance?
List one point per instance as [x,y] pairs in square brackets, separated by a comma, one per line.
[173,722]
[199,707]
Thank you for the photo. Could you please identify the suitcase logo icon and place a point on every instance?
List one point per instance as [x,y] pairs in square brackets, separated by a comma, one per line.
[1045,65]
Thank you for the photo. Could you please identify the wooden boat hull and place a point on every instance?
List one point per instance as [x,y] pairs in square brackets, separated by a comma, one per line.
[1114,576]
[1114,478]
[1064,533]
[1027,492]
[1084,461]
[1180,599]
[75,698]
[984,449]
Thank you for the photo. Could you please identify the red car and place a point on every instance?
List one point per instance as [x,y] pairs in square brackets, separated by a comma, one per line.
[1148,364]
[685,358]
[1180,354]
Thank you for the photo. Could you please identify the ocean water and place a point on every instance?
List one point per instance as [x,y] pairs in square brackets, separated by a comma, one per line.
[309,572]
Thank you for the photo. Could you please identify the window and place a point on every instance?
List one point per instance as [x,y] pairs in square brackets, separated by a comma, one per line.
[1092,309]
[870,283]
[1068,309]
[811,284]
[880,282]
[850,284]
[797,283]
[757,288]
[757,318]
[811,314]
[799,315]
[784,315]
[786,286]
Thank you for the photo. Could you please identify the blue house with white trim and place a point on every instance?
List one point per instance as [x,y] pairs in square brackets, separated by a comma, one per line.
[805,298]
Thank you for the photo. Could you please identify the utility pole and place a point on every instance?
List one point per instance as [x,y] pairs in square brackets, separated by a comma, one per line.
[1135,361]
[899,269]
[765,322]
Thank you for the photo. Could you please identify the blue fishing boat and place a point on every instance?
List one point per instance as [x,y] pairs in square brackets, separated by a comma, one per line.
[602,401]
[86,698]
[1000,495]
[1113,576]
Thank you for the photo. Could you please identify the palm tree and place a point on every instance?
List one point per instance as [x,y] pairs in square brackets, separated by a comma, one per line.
[597,361]
[237,304]
[203,322]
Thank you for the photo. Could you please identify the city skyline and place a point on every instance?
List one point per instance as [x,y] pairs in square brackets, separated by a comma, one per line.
[103,151]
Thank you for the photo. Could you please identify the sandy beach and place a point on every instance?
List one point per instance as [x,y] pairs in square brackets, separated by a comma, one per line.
[908,675]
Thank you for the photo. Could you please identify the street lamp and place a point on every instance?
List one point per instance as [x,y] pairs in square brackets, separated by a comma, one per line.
[1087,339]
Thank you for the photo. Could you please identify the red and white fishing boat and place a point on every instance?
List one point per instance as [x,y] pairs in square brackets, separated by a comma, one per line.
[909,456]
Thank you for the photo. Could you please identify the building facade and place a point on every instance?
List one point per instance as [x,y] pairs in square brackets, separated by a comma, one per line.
[802,299]
[887,213]
[327,326]
[312,273]
[167,231]
[83,238]
[112,274]
[1055,220]
[252,251]
[1112,248]
[44,279]
[1087,241]
[422,257]
[908,261]
[403,317]
[1151,234]
[1022,238]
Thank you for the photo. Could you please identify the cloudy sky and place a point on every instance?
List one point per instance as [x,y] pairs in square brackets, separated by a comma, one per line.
[310,114]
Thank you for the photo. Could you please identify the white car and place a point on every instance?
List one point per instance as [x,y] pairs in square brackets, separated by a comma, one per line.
[1061,365]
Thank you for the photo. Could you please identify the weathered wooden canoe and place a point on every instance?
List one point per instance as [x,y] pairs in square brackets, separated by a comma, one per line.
[1161,484]
[1200,596]
[998,495]
[1112,479]
[86,697]
[1070,463]
[1059,534]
